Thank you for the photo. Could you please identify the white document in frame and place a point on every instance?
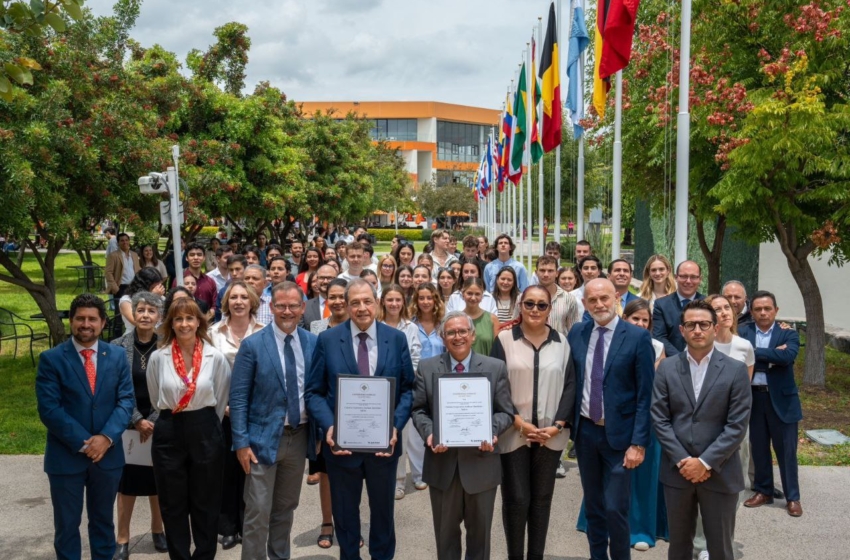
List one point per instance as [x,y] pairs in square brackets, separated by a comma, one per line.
[136,452]
[466,412]
[364,405]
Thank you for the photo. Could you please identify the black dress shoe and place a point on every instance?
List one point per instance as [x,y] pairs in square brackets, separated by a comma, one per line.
[778,494]
[159,542]
[122,551]
[229,541]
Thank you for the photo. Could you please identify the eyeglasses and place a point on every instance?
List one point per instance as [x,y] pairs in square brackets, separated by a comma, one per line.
[459,333]
[540,305]
[285,307]
[326,278]
[691,326]
[387,265]
[688,278]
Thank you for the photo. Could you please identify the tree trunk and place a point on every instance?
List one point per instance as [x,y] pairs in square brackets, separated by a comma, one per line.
[627,237]
[714,253]
[815,366]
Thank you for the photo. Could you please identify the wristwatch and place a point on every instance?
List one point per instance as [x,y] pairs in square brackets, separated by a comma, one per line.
[559,426]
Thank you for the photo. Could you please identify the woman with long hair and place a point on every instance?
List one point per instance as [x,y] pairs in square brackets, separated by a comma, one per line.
[404,279]
[657,279]
[421,275]
[393,313]
[569,279]
[470,268]
[147,257]
[486,324]
[239,321]
[254,256]
[310,263]
[386,270]
[426,312]
[542,385]
[138,480]
[425,259]
[319,243]
[507,293]
[446,282]
[404,254]
[147,279]
[188,383]
[372,277]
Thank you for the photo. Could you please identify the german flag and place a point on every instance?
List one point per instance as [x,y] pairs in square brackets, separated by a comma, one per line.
[550,77]
[615,28]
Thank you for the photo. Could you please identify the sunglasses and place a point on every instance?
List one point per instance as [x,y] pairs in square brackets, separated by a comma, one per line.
[540,305]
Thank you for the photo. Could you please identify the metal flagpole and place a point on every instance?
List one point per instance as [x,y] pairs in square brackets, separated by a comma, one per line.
[683,138]
[520,185]
[558,149]
[617,194]
[529,107]
[580,171]
[540,185]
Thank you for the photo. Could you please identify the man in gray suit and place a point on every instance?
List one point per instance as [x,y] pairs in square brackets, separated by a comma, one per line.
[315,310]
[701,409]
[463,480]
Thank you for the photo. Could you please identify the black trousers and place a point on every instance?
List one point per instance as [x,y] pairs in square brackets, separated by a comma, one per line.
[188,464]
[528,483]
[232,489]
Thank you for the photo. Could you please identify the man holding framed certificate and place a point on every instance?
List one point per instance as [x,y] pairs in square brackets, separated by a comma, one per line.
[462,402]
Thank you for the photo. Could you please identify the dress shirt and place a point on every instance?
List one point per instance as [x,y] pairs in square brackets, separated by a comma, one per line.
[683,298]
[219,278]
[698,370]
[450,258]
[112,246]
[588,363]
[280,339]
[762,341]
[564,312]
[322,303]
[79,348]
[465,363]
[264,312]
[371,344]
[224,341]
[432,344]
[128,273]
[578,294]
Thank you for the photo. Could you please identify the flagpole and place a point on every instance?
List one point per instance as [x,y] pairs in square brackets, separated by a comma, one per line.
[558,149]
[580,171]
[529,106]
[683,138]
[540,186]
[521,181]
[617,194]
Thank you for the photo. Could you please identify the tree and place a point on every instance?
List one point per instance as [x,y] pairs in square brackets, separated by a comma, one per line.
[439,201]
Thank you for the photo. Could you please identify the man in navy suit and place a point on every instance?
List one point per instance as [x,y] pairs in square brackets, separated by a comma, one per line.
[271,434]
[614,363]
[620,274]
[776,404]
[361,346]
[85,399]
[667,313]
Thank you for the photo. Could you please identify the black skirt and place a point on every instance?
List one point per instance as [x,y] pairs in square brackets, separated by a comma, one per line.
[137,480]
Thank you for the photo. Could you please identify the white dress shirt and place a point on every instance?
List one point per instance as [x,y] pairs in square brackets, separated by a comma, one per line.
[127,274]
[280,339]
[221,280]
[588,362]
[79,348]
[371,344]
[698,370]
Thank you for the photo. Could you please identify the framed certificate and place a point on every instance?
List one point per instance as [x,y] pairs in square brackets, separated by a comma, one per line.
[464,411]
[365,407]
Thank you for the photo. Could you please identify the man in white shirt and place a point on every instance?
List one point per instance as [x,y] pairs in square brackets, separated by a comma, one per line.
[356,257]
[220,273]
[121,267]
[255,276]
[440,253]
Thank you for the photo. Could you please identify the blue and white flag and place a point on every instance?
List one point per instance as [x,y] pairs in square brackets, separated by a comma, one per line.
[575,92]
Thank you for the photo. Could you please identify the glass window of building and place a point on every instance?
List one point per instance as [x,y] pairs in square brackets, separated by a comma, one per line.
[394,129]
[460,142]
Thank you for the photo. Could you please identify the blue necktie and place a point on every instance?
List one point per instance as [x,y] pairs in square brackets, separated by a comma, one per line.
[293,406]
[363,356]
[685,302]
[596,375]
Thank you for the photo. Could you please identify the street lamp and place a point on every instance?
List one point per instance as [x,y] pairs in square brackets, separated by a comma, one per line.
[168,183]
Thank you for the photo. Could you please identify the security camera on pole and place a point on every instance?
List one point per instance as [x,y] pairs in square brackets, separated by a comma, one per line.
[171,212]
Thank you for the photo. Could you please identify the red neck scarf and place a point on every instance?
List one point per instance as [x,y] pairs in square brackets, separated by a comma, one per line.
[180,368]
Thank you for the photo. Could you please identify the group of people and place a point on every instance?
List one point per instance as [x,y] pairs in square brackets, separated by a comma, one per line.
[672,400]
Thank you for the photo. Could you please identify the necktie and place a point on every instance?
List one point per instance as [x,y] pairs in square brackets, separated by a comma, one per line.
[89,365]
[293,408]
[327,312]
[363,356]
[619,307]
[685,302]
[459,368]
[596,375]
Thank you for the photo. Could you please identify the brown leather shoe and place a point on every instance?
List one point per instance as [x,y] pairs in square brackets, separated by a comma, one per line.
[758,499]
[794,508]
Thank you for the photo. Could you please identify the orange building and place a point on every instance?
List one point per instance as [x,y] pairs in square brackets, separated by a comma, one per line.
[438,141]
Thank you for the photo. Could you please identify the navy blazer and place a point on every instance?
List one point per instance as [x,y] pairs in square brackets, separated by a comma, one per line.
[334,355]
[258,394]
[72,414]
[627,382]
[666,317]
[779,367]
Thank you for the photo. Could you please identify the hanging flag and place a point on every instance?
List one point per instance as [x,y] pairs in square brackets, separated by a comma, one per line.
[519,128]
[579,40]
[507,142]
[615,28]
[550,75]
[536,146]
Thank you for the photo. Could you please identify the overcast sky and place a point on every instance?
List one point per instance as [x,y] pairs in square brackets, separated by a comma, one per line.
[454,51]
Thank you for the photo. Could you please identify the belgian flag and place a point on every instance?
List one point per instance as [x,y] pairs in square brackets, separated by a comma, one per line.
[615,28]
[550,77]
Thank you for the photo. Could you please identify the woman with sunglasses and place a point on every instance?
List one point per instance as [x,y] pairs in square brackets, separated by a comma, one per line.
[486,324]
[386,270]
[543,393]
[446,281]
[393,313]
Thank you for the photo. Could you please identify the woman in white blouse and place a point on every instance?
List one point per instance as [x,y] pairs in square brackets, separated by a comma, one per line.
[543,393]
[188,382]
[394,314]
[239,321]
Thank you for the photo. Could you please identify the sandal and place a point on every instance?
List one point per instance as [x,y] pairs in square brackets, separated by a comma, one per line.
[326,541]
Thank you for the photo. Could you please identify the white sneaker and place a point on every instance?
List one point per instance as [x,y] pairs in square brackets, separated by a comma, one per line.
[561,471]
[641,546]
[420,485]
[399,493]
[703,555]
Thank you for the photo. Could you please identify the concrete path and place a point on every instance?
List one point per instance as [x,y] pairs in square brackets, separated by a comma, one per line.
[767,533]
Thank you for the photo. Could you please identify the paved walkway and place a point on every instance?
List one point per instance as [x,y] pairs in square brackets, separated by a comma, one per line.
[767,533]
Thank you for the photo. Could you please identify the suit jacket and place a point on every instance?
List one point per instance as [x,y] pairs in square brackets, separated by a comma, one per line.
[666,318]
[334,355]
[72,414]
[115,269]
[627,381]
[711,428]
[478,470]
[312,312]
[779,367]
[258,394]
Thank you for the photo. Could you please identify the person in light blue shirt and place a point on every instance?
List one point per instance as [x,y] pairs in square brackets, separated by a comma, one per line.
[426,310]
[505,249]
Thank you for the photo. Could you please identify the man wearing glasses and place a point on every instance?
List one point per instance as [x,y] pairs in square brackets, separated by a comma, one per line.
[462,480]
[700,409]
[666,317]
[317,308]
